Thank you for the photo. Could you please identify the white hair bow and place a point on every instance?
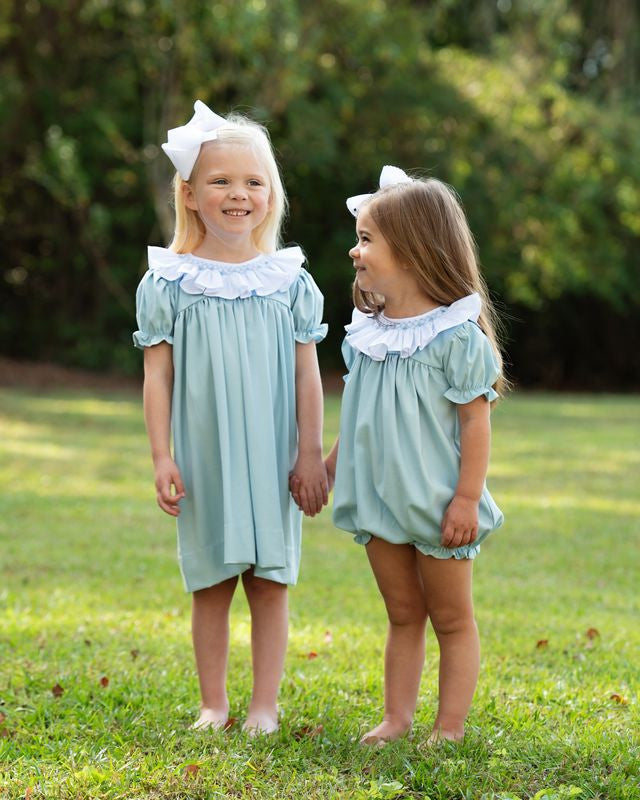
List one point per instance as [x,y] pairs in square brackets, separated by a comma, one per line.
[184,142]
[388,177]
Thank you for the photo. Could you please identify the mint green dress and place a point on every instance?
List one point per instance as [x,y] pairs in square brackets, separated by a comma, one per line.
[233,328]
[399,454]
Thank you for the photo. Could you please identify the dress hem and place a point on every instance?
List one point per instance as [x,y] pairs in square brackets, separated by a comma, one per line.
[195,586]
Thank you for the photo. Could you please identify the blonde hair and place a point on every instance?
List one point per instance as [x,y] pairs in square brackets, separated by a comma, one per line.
[424,225]
[243,132]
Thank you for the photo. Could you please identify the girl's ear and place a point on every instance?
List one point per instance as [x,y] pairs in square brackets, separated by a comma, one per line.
[188,196]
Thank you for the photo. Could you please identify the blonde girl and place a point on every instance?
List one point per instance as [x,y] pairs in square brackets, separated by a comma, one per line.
[229,321]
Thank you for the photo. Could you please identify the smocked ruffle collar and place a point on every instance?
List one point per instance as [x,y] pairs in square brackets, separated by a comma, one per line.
[376,335]
[263,275]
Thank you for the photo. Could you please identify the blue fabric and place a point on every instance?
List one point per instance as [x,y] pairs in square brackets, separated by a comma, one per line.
[399,455]
[233,422]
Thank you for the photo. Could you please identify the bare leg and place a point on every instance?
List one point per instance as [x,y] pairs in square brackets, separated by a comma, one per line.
[210,633]
[396,572]
[268,602]
[447,586]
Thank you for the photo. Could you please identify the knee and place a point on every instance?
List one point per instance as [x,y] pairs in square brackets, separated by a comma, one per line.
[406,610]
[446,621]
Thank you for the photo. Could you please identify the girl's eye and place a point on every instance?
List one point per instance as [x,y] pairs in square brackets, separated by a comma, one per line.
[219,182]
[254,183]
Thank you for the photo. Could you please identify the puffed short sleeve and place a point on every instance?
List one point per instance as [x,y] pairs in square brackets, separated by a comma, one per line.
[348,354]
[470,365]
[307,303]
[155,311]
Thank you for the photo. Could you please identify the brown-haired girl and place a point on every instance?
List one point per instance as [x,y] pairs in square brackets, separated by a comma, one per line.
[412,456]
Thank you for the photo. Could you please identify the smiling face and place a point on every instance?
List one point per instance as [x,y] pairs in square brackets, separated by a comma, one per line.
[230,192]
[377,269]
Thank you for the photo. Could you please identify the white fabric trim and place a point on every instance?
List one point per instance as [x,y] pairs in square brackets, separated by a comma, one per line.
[376,336]
[262,275]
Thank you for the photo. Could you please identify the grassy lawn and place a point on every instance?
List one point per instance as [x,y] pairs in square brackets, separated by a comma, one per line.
[91,603]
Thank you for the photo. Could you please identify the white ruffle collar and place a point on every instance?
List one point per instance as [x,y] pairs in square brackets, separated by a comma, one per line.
[377,335]
[262,275]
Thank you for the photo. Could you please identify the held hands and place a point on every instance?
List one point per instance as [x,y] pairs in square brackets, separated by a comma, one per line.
[460,522]
[168,475]
[309,484]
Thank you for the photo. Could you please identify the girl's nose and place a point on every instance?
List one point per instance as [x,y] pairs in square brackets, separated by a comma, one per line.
[354,251]
[237,192]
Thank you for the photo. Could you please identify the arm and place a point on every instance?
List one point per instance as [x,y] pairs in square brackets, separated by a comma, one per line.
[158,386]
[460,521]
[331,461]
[309,474]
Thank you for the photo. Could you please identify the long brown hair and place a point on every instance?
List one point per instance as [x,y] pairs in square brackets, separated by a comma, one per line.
[424,225]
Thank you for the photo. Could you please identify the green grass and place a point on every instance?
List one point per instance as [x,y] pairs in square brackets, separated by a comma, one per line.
[89,588]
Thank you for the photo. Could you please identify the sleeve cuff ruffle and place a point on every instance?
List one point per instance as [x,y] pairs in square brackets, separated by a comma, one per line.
[143,340]
[315,335]
[462,396]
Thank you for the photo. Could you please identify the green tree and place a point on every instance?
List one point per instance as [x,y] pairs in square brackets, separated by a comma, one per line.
[529,109]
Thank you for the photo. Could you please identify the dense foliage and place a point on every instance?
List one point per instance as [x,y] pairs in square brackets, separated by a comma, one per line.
[529,109]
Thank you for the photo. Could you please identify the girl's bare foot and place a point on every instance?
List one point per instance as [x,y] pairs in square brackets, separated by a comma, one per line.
[211,719]
[386,731]
[258,723]
[443,735]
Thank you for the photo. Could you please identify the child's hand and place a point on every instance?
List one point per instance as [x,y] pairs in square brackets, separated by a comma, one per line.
[168,475]
[460,522]
[309,485]
[294,488]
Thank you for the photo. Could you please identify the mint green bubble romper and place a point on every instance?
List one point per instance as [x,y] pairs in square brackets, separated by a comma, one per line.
[233,328]
[399,454]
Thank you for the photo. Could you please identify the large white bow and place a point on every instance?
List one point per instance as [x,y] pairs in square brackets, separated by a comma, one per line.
[184,142]
[388,177]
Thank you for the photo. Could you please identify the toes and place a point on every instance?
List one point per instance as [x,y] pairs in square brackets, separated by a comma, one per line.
[440,735]
[259,726]
[371,740]
[210,719]
[383,733]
